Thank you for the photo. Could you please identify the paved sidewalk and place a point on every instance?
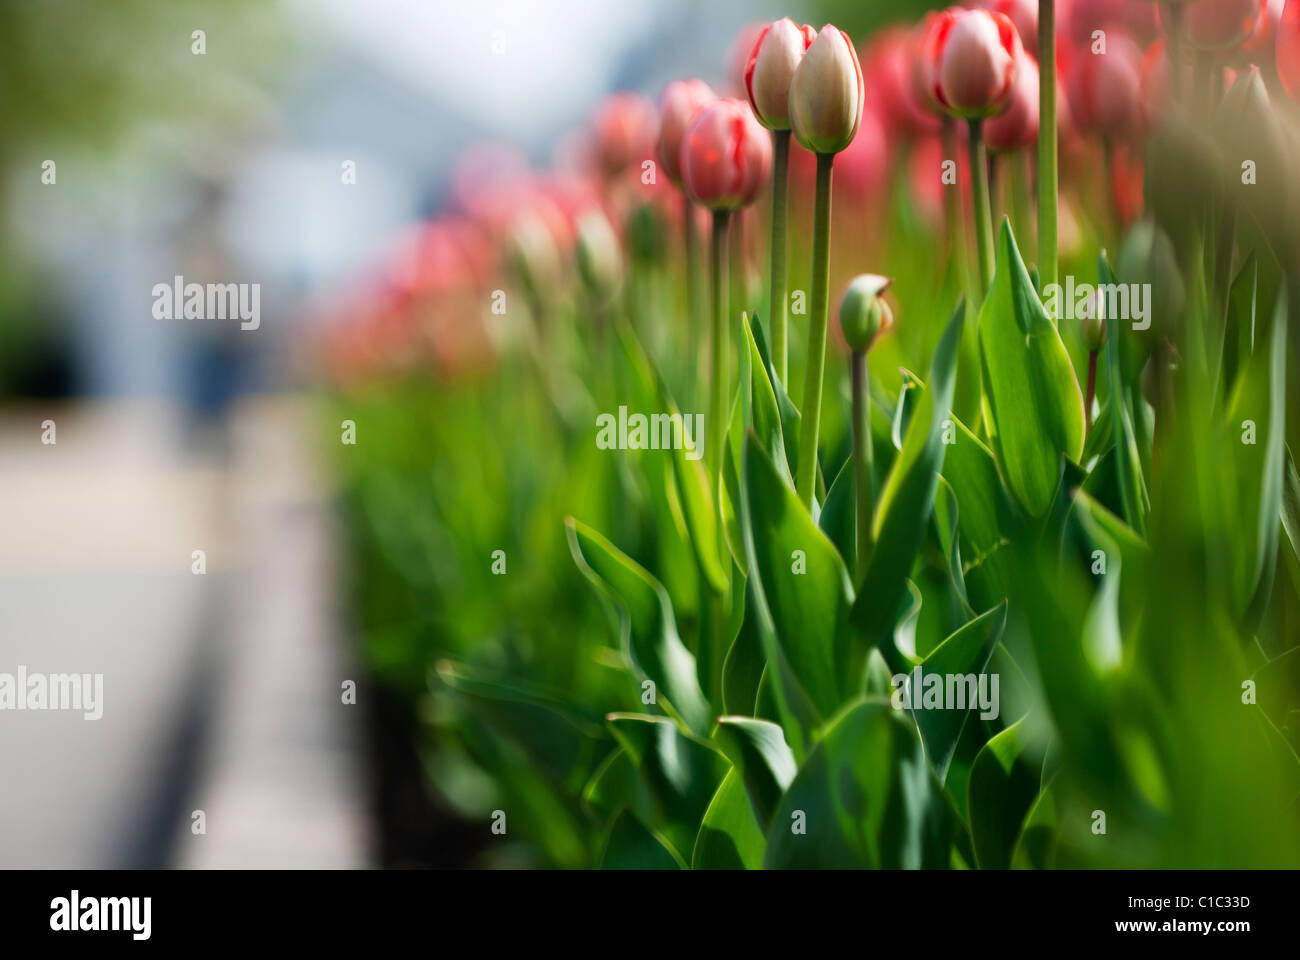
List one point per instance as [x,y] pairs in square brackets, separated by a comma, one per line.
[220,691]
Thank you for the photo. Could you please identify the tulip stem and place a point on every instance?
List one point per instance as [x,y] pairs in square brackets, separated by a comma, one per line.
[777,288]
[979,167]
[1047,143]
[718,356]
[821,281]
[691,249]
[863,457]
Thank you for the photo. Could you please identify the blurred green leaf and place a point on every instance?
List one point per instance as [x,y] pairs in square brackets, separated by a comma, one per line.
[730,838]
[631,846]
[1003,788]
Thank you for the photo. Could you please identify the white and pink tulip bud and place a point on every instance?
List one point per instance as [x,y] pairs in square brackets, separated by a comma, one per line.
[776,55]
[826,94]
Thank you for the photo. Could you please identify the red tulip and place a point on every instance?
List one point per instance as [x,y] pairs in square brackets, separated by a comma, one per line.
[972,56]
[1288,48]
[1016,128]
[770,68]
[1022,13]
[1220,24]
[725,155]
[1105,88]
[826,94]
[681,101]
[625,127]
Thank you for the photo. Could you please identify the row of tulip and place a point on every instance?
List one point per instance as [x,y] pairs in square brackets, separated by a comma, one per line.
[1102,518]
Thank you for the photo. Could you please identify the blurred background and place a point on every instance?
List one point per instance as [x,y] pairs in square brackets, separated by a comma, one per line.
[212,140]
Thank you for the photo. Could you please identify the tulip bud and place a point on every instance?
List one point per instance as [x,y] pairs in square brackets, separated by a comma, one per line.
[1094,328]
[1016,128]
[725,156]
[1288,49]
[864,314]
[600,261]
[975,55]
[776,54]
[826,94]
[681,100]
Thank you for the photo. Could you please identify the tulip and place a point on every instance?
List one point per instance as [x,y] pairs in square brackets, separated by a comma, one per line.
[725,156]
[977,54]
[1105,89]
[1016,128]
[826,93]
[1288,49]
[1023,14]
[887,68]
[625,129]
[1219,24]
[864,315]
[973,57]
[680,102]
[725,159]
[826,99]
[1259,49]
[777,52]
[738,55]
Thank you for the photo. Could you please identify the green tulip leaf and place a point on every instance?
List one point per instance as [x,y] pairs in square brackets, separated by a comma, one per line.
[1032,403]
[630,845]
[646,627]
[730,838]
[865,797]
[1003,787]
[758,752]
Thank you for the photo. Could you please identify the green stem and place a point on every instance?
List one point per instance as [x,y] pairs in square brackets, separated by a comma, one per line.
[691,251]
[1172,14]
[1047,143]
[821,281]
[1092,391]
[719,358]
[979,167]
[777,288]
[863,456]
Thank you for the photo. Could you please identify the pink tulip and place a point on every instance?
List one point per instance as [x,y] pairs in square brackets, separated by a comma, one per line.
[1016,128]
[1220,24]
[972,59]
[1288,49]
[738,55]
[1105,88]
[625,128]
[771,67]
[725,156]
[681,101]
[1137,18]
[826,94]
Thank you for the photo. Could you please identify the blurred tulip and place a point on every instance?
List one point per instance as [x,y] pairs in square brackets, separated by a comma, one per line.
[626,127]
[887,70]
[776,54]
[1288,49]
[681,101]
[1220,24]
[826,94]
[1105,89]
[973,59]
[1137,18]
[1016,128]
[600,260]
[725,155]
[1261,47]
[1024,15]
